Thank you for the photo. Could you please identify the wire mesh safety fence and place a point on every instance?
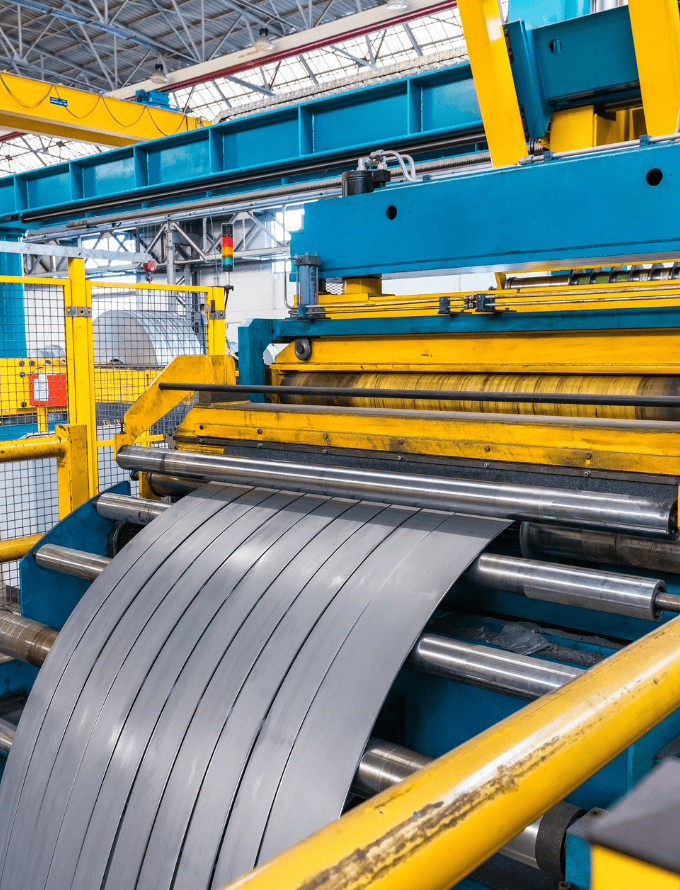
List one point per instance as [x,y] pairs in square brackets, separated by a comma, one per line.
[33,400]
[137,331]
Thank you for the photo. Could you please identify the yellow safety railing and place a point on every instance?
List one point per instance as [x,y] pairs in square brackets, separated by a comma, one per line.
[81,384]
[431,830]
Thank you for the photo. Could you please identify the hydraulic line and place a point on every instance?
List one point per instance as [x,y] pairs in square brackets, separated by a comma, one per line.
[562,507]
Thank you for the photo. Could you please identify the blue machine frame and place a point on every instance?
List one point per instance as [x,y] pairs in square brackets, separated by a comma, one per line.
[422,110]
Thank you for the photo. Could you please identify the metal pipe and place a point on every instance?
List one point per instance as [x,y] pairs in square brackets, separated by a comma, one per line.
[541,398]
[16,548]
[31,449]
[24,639]
[71,562]
[475,665]
[170,486]
[138,511]
[540,541]
[7,731]
[589,589]
[438,825]
[589,509]
[384,764]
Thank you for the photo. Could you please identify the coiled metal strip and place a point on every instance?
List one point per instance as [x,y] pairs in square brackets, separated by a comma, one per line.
[101,606]
[155,743]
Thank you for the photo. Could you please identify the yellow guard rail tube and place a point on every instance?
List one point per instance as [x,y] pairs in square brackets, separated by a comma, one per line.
[433,829]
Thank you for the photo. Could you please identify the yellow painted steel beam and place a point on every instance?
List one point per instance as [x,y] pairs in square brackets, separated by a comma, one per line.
[485,39]
[80,362]
[614,871]
[656,35]
[73,482]
[216,333]
[33,106]
[433,829]
[154,403]
[16,548]
[630,446]
[541,352]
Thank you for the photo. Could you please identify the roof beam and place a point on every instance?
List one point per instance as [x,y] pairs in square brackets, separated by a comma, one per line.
[330,33]
[119,30]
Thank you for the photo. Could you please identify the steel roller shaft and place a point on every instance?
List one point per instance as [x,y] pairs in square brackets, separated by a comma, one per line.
[139,511]
[588,509]
[7,731]
[24,639]
[495,669]
[538,541]
[572,586]
[71,562]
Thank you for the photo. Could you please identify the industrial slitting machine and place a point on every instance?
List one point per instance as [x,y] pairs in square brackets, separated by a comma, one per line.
[419,574]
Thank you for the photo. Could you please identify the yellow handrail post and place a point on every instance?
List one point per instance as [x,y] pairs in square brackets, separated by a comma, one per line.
[72,468]
[80,362]
[216,339]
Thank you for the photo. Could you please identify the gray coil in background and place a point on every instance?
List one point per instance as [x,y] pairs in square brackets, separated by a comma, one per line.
[209,699]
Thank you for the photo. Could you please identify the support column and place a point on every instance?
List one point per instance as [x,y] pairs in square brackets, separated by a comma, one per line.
[656,35]
[496,94]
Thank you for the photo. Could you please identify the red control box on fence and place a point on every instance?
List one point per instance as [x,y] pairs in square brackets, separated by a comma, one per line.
[47,390]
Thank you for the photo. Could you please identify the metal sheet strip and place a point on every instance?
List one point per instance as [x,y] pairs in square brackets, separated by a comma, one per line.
[346,705]
[99,606]
[172,632]
[88,678]
[175,744]
[157,740]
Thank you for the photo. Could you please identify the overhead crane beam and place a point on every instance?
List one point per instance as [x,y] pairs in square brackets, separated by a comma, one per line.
[32,106]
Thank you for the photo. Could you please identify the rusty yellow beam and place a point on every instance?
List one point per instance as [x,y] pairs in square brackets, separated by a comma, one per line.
[32,106]
[15,548]
[433,829]
[31,449]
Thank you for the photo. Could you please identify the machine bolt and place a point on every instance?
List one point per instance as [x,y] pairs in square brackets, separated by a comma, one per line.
[586,473]
[259,444]
[487,448]
[588,455]
[325,451]
[259,432]
[486,466]
[23,405]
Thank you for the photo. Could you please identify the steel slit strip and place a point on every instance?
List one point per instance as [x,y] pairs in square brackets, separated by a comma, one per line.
[91,607]
[178,621]
[78,704]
